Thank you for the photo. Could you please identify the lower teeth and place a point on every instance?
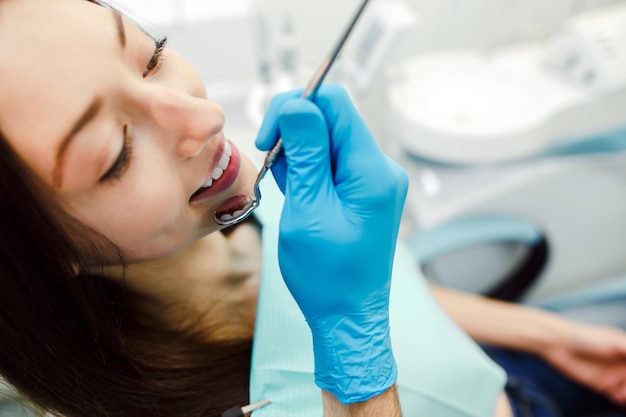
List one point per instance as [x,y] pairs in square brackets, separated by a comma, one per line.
[228,217]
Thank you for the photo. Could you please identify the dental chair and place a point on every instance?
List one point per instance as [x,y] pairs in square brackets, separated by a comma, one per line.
[549,232]
[10,404]
[467,254]
[451,255]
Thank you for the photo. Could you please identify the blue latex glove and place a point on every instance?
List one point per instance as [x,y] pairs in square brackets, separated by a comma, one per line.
[338,231]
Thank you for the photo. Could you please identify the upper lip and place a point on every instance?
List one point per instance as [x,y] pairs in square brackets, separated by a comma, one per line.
[217,156]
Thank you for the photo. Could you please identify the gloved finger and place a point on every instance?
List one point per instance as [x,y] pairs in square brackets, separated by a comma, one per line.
[269,133]
[356,154]
[349,132]
[279,172]
[269,130]
[307,150]
[401,185]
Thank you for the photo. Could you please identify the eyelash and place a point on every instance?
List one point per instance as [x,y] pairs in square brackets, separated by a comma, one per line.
[122,162]
[157,58]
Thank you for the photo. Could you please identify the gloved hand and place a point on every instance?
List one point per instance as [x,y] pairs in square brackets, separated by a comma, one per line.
[338,231]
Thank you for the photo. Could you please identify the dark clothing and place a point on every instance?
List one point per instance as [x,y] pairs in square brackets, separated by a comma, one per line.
[535,389]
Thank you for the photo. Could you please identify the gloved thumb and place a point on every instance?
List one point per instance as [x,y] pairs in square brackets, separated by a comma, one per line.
[306,143]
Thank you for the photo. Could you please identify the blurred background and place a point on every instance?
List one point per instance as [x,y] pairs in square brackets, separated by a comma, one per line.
[508,115]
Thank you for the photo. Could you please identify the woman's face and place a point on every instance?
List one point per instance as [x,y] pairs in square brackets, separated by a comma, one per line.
[121,132]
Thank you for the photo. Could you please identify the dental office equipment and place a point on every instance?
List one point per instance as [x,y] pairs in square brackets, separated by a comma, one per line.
[519,133]
[524,101]
[244,411]
[590,50]
[372,43]
[244,205]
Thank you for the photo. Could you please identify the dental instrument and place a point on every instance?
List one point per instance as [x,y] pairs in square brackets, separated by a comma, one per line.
[229,216]
[246,410]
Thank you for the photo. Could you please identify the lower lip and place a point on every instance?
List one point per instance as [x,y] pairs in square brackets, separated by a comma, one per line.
[225,181]
[233,204]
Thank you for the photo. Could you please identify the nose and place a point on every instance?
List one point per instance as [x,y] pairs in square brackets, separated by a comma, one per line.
[189,120]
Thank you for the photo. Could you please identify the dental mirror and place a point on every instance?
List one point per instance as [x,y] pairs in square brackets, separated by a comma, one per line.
[243,205]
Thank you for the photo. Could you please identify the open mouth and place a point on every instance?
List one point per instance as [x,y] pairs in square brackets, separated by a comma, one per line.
[223,175]
[233,208]
[217,173]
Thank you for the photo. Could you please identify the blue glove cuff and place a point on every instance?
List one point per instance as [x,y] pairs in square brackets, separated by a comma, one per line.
[354,360]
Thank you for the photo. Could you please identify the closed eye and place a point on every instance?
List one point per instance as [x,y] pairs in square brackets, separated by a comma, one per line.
[122,162]
[155,63]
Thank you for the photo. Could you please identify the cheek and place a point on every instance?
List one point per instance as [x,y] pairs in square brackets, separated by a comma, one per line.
[153,223]
[145,219]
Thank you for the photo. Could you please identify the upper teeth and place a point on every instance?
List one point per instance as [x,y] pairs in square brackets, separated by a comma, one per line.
[221,166]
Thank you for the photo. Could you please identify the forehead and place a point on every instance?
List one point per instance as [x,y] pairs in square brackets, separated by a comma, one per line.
[52,60]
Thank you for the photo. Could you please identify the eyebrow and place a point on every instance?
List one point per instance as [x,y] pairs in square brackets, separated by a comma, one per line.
[90,113]
[121,32]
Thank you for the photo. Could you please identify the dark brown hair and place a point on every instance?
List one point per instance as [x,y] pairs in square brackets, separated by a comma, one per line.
[81,345]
